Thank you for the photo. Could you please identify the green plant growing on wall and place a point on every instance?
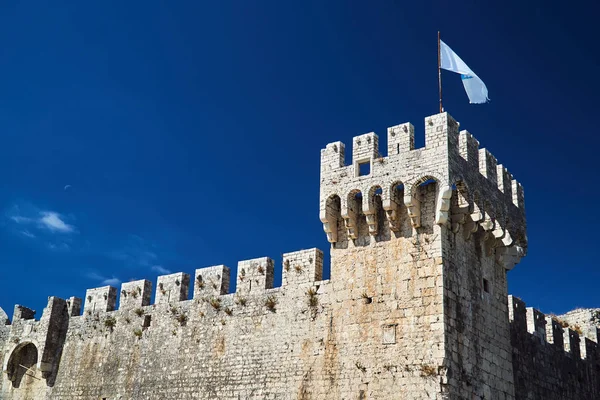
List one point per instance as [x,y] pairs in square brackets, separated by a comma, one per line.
[182,319]
[428,370]
[313,300]
[271,303]
[215,303]
[360,367]
[242,301]
[110,323]
[138,333]
[139,311]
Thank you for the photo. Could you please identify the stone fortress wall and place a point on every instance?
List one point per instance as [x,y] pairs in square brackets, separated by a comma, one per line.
[416,307]
[552,359]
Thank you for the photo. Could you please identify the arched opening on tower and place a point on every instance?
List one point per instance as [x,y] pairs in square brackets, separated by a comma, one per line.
[353,215]
[397,213]
[375,214]
[425,191]
[21,368]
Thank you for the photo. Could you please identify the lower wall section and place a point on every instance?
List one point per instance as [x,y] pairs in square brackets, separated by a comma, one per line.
[317,340]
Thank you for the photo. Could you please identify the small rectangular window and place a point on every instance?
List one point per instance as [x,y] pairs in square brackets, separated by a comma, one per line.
[364,168]
[486,285]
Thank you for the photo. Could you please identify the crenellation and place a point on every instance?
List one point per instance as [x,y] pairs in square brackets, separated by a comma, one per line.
[517,312]
[488,165]
[303,266]
[100,299]
[401,139]
[364,150]
[22,313]
[211,281]
[517,194]
[504,180]
[74,306]
[469,148]
[135,294]
[255,275]
[332,157]
[441,131]
[172,288]
[536,323]
[589,349]
[555,333]
[572,343]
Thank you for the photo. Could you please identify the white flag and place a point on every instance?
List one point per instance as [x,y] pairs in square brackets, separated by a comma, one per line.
[474,86]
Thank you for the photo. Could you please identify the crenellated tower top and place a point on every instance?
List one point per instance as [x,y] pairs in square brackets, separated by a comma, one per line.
[473,191]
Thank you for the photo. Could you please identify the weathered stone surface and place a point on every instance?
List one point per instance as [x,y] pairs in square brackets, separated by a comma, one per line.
[416,307]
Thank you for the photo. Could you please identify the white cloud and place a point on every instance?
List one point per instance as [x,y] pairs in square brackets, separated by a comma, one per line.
[35,219]
[135,252]
[59,246]
[21,220]
[111,281]
[103,280]
[53,221]
[95,276]
[161,270]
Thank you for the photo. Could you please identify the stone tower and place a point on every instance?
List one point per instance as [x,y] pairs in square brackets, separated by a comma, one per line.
[426,235]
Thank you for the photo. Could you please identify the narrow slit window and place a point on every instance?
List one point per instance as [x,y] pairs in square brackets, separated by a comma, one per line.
[486,285]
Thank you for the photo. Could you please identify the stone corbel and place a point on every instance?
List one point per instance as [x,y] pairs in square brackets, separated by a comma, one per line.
[508,257]
[489,240]
[469,227]
[370,209]
[488,225]
[391,213]
[371,216]
[329,226]
[442,205]
[351,223]
[459,217]
[472,223]
[414,209]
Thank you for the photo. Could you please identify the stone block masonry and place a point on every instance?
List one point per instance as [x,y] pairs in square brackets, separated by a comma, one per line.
[416,307]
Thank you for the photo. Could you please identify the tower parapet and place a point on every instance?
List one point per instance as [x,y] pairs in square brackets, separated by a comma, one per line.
[473,191]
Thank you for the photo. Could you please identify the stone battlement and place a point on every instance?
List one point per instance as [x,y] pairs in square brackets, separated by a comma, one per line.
[301,269]
[486,196]
[554,332]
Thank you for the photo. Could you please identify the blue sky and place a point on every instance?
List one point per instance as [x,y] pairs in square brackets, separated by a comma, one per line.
[189,134]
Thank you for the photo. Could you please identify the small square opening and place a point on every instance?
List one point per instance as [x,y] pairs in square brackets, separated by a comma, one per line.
[486,285]
[364,168]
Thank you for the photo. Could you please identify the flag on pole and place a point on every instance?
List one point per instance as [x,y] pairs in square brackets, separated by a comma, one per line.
[474,86]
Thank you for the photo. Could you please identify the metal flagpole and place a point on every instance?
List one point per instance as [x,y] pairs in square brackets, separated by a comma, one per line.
[440,72]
